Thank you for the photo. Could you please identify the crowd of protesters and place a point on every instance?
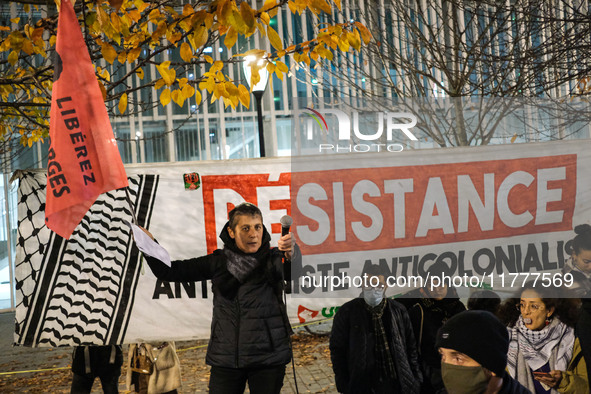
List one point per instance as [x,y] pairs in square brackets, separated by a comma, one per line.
[427,342]
[535,342]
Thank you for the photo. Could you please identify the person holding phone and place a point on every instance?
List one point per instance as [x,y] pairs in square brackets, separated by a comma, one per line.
[544,353]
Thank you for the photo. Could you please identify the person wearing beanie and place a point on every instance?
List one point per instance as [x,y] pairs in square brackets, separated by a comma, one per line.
[473,347]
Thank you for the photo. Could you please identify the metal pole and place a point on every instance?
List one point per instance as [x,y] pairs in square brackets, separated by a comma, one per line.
[9,242]
[258,96]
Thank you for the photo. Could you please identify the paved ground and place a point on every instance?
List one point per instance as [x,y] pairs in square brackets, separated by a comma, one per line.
[46,370]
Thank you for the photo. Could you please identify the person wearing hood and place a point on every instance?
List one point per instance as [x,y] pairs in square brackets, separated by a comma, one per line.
[428,314]
[372,346]
[473,347]
[250,331]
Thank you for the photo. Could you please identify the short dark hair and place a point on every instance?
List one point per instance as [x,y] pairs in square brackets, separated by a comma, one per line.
[374,270]
[485,300]
[243,209]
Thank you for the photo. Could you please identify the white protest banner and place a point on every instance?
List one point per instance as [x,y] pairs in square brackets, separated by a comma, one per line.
[475,209]
[493,216]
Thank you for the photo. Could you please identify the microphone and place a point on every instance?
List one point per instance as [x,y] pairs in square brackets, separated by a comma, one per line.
[286,222]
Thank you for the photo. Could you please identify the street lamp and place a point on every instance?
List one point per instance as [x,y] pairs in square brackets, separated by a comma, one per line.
[250,63]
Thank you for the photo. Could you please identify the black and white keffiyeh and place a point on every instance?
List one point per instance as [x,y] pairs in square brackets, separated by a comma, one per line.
[530,350]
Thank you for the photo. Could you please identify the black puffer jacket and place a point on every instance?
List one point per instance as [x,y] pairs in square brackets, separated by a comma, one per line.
[352,347]
[249,327]
[427,317]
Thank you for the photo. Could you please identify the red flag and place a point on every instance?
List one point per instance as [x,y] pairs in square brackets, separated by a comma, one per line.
[83,159]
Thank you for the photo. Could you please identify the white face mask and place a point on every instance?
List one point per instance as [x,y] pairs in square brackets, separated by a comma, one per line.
[373,296]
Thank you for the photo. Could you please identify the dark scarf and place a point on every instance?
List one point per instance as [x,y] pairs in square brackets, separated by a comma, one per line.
[446,307]
[239,265]
[382,348]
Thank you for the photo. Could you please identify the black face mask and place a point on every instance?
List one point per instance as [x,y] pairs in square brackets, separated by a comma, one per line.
[459,379]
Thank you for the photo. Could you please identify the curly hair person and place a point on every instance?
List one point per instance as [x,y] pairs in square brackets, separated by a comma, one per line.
[564,308]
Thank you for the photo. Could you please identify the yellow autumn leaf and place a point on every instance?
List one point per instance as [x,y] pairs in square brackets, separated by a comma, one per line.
[265,18]
[105,74]
[344,44]
[122,103]
[235,100]
[281,66]
[140,73]
[513,138]
[140,5]
[15,20]
[244,95]
[217,92]
[354,39]
[208,59]
[133,54]
[231,37]
[121,57]
[168,74]
[165,97]
[200,37]
[337,3]
[208,84]
[159,83]
[274,38]
[37,35]
[320,5]
[13,57]
[247,14]
[115,21]
[186,52]
[364,31]
[217,66]
[198,97]
[178,97]
[270,68]
[109,53]
[188,91]
[268,5]
[231,89]
[154,16]
[188,10]
[103,90]
[134,15]
[293,7]
[102,17]
[28,47]
[52,40]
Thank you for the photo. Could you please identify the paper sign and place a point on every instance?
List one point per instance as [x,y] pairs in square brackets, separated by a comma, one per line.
[148,246]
